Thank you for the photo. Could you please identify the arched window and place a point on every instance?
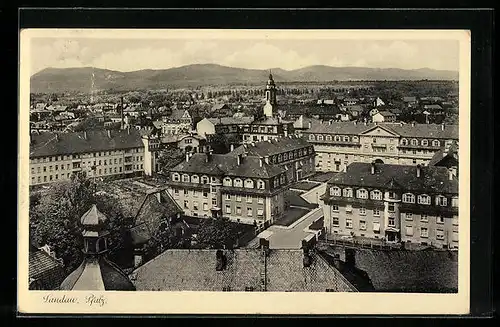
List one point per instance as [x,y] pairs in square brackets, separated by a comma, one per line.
[335,191]
[260,184]
[425,142]
[346,138]
[285,156]
[424,199]
[328,137]
[376,195]
[408,198]
[185,178]
[414,142]
[195,179]
[355,139]
[238,182]
[441,201]
[279,157]
[404,142]
[227,181]
[435,143]
[175,177]
[311,137]
[204,179]
[248,183]
[362,194]
[347,192]
[320,137]
[337,138]
[282,179]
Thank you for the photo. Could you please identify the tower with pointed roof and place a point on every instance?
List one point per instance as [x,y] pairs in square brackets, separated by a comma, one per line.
[96,272]
[270,96]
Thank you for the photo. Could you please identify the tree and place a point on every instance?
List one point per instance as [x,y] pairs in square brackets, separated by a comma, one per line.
[217,233]
[169,157]
[55,218]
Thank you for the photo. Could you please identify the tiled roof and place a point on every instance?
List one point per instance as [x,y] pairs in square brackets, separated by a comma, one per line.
[450,152]
[226,164]
[44,269]
[269,148]
[267,121]
[93,217]
[195,270]
[47,144]
[97,274]
[432,179]
[404,130]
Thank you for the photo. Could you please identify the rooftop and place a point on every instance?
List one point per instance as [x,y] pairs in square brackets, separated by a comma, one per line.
[432,179]
[44,270]
[50,144]
[196,270]
[271,147]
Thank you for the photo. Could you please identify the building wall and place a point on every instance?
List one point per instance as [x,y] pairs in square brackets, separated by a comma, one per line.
[51,169]
[205,127]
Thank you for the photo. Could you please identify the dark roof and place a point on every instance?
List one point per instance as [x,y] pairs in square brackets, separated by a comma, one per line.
[48,144]
[271,147]
[231,120]
[219,106]
[432,179]
[150,215]
[195,270]
[433,107]
[177,114]
[267,121]
[444,154]
[226,164]
[45,270]
[409,99]
[404,130]
[97,274]
[294,199]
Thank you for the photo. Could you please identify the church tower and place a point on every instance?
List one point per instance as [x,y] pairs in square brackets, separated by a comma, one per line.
[270,97]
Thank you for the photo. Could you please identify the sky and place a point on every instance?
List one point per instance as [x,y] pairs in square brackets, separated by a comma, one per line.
[259,53]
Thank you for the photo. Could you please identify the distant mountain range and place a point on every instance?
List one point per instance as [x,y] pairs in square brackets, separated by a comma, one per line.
[80,79]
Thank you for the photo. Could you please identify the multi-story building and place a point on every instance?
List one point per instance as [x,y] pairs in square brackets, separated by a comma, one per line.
[55,156]
[417,204]
[223,125]
[338,144]
[268,128]
[243,187]
[292,153]
[179,122]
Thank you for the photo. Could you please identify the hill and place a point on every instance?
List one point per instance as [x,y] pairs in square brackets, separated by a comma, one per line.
[53,80]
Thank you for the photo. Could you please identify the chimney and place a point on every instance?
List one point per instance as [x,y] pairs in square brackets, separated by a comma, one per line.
[109,133]
[450,174]
[419,170]
[442,127]
[232,147]
[329,122]
[221,260]
[412,124]
[365,122]
[260,162]
[310,124]
[187,156]
[85,134]
[264,245]
[354,122]
[209,155]
[239,159]
[57,137]
[138,257]
[373,167]
[266,159]
[158,196]
[128,130]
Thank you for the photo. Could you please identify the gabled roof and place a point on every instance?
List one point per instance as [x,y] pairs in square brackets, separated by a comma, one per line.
[195,270]
[178,114]
[47,144]
[386,113]
[409,99]
[432,179]
[231,120]
[445,153]
[219,106]
[44,269]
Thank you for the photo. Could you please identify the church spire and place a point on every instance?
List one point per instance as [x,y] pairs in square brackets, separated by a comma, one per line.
[270,96]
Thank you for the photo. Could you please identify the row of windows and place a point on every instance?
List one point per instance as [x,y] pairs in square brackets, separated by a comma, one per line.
[336,138]
[238,212]
[78,156]
[228,197]
[290,155]
[361,193]
[424,233]
[424,142]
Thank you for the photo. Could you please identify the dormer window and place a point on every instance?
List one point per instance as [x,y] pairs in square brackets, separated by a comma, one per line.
[355,139]
[227,181]
[362,194]
[347,192]
[195,179]
[337,138]
[328,137]
[435,143]
[425,142]
[260,184]
[311,137]
[346,138]
[279,157]
[404,142]
[424,199]
[441,201]
[408,198]
[204,179]
[185,178]
[376,195]
[320,137]
[175,177]
[414,142]
[282,179]
[238,182]
[335,191]
[248,183]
